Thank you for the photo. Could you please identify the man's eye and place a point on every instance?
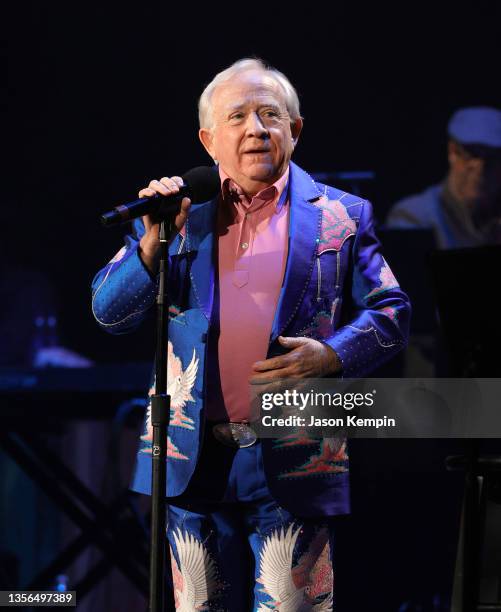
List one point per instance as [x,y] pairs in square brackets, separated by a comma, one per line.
[270,113]
[236,116]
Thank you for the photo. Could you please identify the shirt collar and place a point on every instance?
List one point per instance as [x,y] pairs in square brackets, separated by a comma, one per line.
[232,192]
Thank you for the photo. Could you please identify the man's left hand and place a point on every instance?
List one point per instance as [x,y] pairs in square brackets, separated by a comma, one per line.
[308,358]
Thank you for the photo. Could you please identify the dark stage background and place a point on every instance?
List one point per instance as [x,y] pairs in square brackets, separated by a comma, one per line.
[103,98]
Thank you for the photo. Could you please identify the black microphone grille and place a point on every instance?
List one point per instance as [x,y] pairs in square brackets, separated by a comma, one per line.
[204,183]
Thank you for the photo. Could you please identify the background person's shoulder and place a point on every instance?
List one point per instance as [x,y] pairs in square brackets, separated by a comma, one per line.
[417,210]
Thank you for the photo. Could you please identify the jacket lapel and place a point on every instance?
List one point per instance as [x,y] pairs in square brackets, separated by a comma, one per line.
[200,228]
[304,234]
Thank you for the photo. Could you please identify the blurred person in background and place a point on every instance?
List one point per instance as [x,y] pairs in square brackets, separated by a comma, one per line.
[464,209]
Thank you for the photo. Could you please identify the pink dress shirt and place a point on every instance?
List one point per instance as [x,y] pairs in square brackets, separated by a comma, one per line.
[252,253]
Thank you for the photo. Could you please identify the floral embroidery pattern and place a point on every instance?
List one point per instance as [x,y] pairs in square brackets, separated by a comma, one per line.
[195,578]
[337,225]
[174,310]
[300,437]
[320,327]
[306,586]
[386,281]
[331,459]
[390,311]
[314,568]
[172,449]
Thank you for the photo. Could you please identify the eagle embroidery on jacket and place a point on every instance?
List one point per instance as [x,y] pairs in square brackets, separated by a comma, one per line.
[179,386]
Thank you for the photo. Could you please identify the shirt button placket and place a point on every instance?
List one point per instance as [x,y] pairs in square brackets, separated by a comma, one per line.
[241,268]
[246,232]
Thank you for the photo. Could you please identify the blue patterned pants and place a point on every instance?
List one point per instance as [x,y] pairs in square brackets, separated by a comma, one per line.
[233,548]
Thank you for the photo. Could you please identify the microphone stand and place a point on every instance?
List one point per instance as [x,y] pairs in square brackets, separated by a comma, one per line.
[160,415]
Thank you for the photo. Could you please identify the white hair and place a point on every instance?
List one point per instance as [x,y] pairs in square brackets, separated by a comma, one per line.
[205,103]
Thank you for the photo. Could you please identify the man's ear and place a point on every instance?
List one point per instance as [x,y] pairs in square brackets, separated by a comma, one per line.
[296,127]
[207,139]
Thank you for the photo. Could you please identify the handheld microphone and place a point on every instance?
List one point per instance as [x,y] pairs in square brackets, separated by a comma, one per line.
[200,185]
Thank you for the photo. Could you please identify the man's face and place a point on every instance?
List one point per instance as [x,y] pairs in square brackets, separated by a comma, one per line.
[252,136]
[475,173]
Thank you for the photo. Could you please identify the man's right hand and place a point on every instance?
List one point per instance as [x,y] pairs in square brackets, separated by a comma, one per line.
[149,246]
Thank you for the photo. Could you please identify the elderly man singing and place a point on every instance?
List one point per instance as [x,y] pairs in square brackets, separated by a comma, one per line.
[278,276]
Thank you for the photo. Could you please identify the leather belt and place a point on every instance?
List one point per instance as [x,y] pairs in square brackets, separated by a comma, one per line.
[236,435]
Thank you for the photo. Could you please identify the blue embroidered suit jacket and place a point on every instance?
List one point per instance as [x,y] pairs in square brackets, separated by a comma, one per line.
[337,288]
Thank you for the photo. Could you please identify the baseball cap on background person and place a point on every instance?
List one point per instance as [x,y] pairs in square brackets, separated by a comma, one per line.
[476,125]
[475,134]
[463,210]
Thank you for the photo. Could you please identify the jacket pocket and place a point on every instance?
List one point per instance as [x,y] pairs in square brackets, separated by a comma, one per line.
[333,270]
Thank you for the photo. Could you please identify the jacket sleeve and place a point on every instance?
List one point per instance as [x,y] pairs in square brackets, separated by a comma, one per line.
[379,311]
[124,290]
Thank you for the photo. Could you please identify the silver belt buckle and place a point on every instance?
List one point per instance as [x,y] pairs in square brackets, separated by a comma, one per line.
[236,435]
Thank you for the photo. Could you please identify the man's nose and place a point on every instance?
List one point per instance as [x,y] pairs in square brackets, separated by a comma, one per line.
[255,126]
